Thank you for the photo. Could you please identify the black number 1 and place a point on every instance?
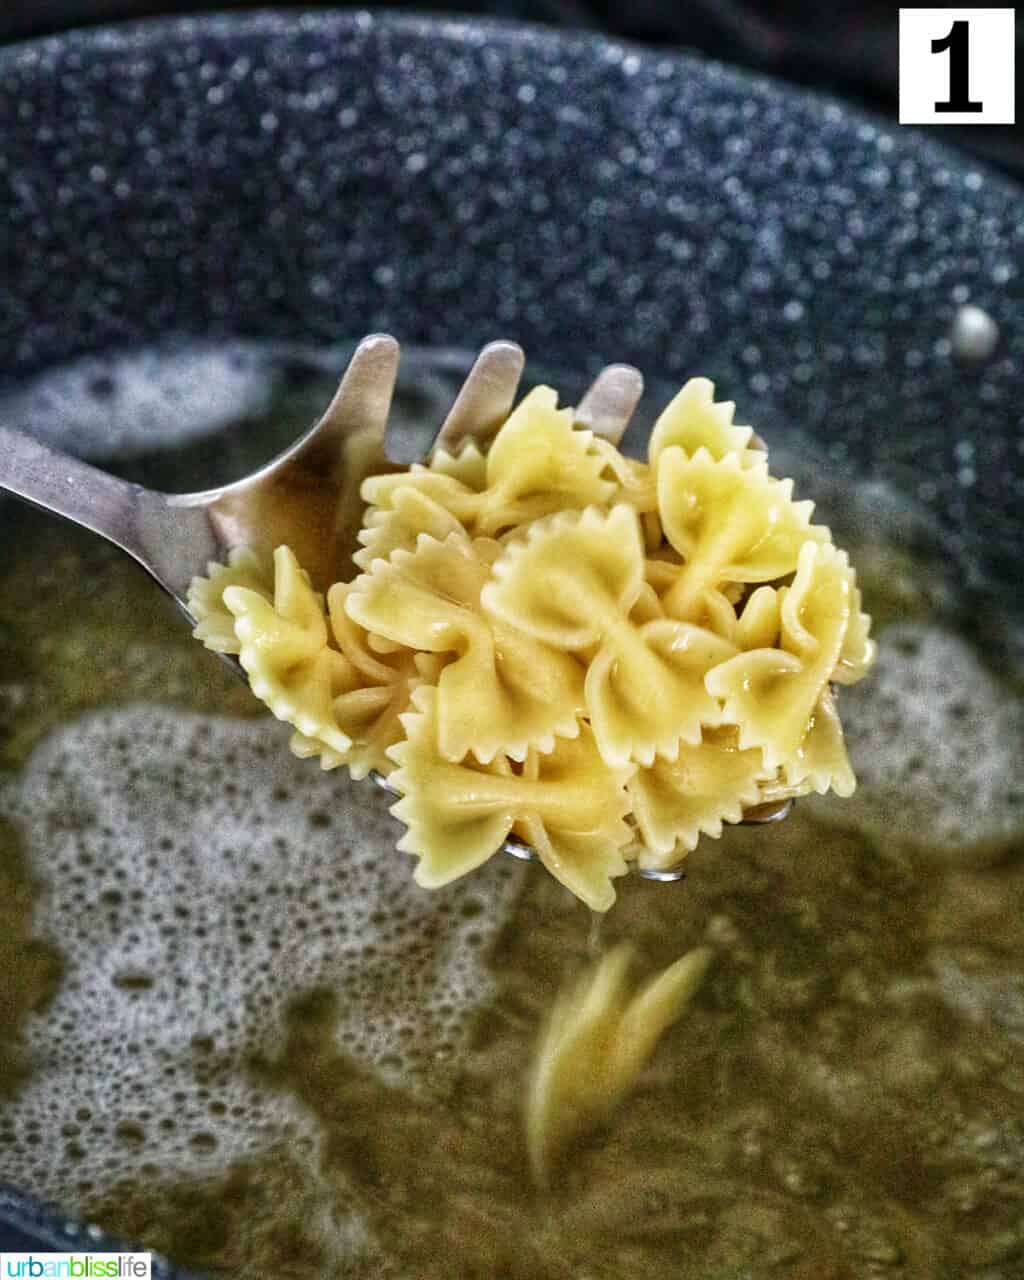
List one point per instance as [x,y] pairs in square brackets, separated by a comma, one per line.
[959,92]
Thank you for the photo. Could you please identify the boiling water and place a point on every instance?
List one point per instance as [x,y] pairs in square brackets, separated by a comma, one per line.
[233,1028]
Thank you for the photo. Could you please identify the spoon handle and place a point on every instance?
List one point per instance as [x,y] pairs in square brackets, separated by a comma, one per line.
[170,542]
[69,488]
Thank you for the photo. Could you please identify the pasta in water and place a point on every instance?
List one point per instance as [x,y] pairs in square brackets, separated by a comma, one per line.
[604,657]
[594,1045]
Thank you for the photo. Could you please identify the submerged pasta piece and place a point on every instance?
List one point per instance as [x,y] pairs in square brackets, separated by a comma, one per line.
[729,523]
[284,648]
[215,623]
[693,420]
[677,801]
[505,691]
[594,1044]
[572,584]
[771,693]
[571,804]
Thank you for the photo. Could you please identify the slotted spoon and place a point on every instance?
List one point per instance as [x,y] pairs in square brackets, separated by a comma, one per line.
[308,497]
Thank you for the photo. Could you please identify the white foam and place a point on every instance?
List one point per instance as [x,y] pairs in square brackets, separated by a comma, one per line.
[937,745]
[137,400]
[196,853]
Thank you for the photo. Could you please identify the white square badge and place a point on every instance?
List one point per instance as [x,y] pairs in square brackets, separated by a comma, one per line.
[957,66]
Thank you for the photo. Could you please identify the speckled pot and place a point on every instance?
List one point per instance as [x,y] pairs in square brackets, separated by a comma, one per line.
[321,176]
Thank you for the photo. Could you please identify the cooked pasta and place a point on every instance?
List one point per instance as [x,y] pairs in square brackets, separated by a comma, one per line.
[593,1046]
[569,803]
[729,523]
[538,464]
[677,801]
[215,624]
[572,583]
[503,691]
[693,420]
[284,646]
[771,693]
[604,657]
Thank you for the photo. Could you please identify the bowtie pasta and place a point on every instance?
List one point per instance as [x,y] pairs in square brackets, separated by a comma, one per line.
[595,1042]
[605,657]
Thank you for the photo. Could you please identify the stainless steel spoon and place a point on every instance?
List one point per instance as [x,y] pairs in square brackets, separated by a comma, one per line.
[308,497]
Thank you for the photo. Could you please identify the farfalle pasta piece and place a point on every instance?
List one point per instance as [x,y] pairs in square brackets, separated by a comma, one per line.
[457,814]
[593,1046]
[729,523]
[453,481]
[468,466]
[647,606]
[572,583]
[820,762]
[635,482]
[858,651]
[537,464]
[677,801]
[445,489]
[504,692]
[661,572]
[584,858]
[411,513]
[693,420]
[215,623]
[306,748]
[370,713]
[653,536]
[757,626]
[771,693]
[714,610]
[284,648]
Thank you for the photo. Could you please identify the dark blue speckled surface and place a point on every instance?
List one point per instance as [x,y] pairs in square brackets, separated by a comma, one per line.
[324,176]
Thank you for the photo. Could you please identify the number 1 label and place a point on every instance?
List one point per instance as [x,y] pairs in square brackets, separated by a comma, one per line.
[957,66]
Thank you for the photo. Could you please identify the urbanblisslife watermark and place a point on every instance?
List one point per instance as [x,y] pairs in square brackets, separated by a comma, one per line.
[75,1266]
